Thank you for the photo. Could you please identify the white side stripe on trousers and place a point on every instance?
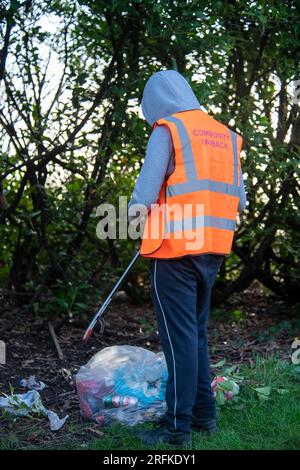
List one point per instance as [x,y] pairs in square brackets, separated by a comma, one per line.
[172,350]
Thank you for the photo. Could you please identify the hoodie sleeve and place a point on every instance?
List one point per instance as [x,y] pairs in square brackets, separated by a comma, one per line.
[156,166]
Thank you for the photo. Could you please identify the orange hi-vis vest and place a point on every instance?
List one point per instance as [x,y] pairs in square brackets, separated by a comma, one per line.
[197,205]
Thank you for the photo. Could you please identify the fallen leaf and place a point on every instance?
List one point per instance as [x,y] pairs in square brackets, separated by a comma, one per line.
[218,364]
[263,393]
[282,391]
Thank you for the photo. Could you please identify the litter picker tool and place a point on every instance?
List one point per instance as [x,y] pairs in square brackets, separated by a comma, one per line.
[107,301]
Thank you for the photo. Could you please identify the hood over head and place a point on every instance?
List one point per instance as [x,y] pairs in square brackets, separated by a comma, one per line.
[167,92]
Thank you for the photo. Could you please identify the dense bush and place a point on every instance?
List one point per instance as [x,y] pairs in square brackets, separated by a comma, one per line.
[71,77]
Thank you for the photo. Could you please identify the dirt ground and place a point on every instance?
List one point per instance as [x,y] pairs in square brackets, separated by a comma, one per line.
[250,323]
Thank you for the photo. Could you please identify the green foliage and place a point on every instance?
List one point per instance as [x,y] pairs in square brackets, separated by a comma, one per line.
[72,137]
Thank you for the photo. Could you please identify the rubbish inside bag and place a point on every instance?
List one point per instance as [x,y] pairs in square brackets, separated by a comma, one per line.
[123,383]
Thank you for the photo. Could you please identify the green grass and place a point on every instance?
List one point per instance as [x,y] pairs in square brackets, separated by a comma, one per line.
[249,423]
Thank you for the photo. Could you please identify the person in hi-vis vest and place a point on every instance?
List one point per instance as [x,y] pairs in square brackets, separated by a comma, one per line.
[192,186]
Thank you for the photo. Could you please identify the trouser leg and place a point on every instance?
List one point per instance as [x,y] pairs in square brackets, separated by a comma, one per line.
[207,267]
[174,293]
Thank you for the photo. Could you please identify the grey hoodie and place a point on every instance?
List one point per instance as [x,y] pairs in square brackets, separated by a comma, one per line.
[166,92]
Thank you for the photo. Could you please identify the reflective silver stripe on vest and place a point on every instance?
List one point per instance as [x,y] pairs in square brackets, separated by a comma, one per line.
[193,184]
[187,151]
[235,157]
[202,185]
[193,223]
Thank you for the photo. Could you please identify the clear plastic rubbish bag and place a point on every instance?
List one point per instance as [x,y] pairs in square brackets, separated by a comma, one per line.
[123,383]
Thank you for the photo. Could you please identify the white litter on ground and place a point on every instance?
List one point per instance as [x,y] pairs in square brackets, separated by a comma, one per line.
[26,404]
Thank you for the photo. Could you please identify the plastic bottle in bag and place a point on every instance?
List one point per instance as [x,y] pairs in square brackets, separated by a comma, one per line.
[117,401]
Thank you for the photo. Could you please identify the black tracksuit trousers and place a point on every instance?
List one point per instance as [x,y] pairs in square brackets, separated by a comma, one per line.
[181,292]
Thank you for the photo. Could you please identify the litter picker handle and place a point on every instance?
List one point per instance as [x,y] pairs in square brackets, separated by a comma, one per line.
[107,301]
